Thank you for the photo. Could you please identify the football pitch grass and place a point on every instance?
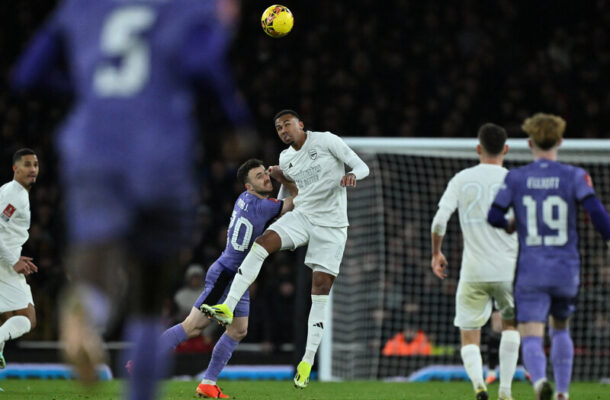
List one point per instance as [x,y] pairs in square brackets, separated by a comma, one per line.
[248,390]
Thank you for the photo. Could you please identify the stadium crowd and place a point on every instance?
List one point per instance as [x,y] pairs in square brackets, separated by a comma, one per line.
[397,68]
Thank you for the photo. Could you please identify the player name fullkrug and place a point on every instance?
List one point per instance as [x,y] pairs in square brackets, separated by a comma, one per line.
[551,182]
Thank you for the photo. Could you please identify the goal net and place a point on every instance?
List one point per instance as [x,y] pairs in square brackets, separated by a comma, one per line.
[390,315]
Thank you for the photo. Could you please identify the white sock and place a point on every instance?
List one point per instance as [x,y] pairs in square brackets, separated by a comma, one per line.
[246,274]
[13,328]
[473,363]
[509,354]
[315,326]
[207,382]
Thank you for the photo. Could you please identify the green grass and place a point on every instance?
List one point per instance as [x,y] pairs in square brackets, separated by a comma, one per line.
[241,390]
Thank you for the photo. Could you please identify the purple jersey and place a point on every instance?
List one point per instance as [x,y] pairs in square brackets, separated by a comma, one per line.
[132,65]
[545,196]
[250,217]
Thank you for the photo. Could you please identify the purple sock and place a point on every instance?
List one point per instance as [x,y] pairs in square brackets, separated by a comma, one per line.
[533,357]
[562,356]
[220,357]
[148,359]
[172,338]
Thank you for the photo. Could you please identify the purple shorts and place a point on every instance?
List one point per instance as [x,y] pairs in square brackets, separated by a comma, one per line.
[213,280]
[535,303]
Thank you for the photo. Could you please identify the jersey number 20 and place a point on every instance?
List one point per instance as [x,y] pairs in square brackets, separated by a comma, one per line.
[245,240]
[558,222]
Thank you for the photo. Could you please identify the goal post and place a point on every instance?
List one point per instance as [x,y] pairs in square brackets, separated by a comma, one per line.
[390,315]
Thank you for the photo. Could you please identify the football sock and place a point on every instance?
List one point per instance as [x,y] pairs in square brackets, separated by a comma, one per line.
[223,350]
[534,358]
[172,338]
[562,356]
[509,354]
[13,328]
[246,274]
[315,326]
[473,363]
[149,364]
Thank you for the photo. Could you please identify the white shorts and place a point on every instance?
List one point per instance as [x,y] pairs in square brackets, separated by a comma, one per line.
[15,294]
[473,303]
[326,244]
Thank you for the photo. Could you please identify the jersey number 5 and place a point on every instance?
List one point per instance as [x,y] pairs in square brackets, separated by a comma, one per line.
[558,222]
[121,38]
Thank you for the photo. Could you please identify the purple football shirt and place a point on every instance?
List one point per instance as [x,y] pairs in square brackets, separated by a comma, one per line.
[545,196]
[250,217]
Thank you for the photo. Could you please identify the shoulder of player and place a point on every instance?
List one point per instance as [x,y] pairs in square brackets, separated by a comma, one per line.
[14,191]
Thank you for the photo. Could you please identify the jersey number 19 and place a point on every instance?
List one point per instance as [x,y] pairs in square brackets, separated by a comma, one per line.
[557,221]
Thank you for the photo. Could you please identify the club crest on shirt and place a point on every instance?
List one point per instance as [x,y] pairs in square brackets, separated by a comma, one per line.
[8,212]
[313,154]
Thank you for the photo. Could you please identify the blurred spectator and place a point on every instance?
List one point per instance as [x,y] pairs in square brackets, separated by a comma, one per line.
[186,296]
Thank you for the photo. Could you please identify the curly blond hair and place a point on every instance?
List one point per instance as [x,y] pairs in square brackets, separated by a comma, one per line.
[545,130]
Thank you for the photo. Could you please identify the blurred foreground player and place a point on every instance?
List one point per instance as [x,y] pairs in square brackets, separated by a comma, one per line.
[252,212]
[17,313]
[488,261]
[545,195]
[127,154]
[315,162]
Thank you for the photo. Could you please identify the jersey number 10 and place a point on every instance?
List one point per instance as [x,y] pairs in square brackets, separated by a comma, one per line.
[558,222]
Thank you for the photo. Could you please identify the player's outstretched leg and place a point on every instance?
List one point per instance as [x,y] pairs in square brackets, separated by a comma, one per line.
[219,312]
[2,362]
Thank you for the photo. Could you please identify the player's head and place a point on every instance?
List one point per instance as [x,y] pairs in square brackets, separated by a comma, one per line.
[289,127]
[492,139]
[545,130]
[253,175]
[25,167]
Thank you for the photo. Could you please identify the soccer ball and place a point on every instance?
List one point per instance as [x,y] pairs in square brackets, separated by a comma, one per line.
[277,21]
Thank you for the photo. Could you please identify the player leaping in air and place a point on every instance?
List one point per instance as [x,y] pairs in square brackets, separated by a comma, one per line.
[545,195]
[315,161]
[488,262]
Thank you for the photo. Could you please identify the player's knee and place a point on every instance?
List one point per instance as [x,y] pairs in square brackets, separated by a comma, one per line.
[32,322]
[270,241]
[238,334]
[559,324]
[321,283]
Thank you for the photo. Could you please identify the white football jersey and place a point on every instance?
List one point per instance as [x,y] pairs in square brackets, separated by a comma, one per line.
[490,254]
[14,224]
[317,169]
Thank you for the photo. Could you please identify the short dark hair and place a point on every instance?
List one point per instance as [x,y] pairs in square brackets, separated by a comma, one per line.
[492,138]
[284,112]
[242,171]
[22,152]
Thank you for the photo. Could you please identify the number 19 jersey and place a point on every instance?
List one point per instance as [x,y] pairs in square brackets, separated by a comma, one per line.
[545,196]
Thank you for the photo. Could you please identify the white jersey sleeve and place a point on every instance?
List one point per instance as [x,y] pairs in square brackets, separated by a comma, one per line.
[343,152]
[446,206]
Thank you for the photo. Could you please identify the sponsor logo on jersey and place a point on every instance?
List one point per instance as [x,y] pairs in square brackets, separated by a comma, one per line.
[8,212]
[313,154]
[290,165]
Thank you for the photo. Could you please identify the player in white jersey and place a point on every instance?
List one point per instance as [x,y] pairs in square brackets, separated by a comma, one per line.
[17,313]
[488,260]
[315,161]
